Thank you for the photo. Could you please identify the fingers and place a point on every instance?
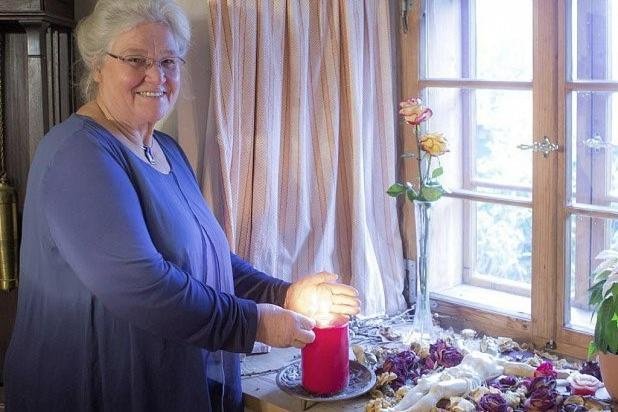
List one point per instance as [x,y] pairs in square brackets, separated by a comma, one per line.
[345,309]
[340,289]
[304,333]
[304,336]
[305,322]
[345,300]
[345,305]
[321,277]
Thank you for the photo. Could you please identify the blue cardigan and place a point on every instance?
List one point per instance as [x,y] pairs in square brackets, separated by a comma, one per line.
[127,284]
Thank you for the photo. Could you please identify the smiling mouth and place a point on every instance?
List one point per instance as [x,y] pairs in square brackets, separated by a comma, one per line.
[151,94]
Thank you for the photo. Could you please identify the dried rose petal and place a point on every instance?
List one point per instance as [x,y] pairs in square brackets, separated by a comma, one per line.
[541,399]
[546,369]
[541,382]
[450,357]
[493,402]
[505,383]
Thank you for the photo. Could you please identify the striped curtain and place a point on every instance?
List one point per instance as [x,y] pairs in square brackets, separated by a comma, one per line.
[302,116]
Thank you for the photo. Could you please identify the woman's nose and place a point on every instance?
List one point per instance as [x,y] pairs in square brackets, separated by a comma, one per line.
[155,73]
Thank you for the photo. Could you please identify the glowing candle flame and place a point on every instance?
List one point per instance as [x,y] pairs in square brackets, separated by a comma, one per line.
[323,320]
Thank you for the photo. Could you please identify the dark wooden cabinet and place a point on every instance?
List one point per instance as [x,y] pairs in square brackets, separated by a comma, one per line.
[62,10]
[37,88]
[38,81]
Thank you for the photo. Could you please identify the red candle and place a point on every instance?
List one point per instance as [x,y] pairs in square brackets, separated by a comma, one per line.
[325,361]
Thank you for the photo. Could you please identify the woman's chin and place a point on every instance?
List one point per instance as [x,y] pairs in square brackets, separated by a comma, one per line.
[156,114]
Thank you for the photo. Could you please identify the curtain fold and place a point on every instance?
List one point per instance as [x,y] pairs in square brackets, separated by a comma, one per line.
[302,102]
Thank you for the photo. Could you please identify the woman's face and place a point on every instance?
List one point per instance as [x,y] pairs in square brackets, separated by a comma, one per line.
[133,94]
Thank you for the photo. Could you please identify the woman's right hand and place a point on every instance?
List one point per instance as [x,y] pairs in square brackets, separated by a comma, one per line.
[282,328]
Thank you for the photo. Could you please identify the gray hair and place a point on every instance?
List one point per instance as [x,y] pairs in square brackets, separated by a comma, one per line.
[95,33]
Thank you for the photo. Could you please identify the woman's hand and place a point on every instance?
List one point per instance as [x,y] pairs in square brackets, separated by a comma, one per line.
[318,293]
[283,328]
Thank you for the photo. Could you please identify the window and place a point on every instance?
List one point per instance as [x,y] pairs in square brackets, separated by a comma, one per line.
[520,229]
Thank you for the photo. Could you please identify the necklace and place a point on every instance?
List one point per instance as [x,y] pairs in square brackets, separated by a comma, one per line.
[149,156]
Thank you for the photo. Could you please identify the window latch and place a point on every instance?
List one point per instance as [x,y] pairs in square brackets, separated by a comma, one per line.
[406,5]
[545,146]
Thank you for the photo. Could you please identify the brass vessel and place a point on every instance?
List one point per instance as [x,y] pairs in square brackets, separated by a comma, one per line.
[9,237]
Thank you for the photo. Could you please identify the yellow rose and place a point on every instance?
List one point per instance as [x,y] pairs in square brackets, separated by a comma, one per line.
[433,144]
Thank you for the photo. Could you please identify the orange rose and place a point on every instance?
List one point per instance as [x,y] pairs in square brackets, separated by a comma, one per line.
[433,144]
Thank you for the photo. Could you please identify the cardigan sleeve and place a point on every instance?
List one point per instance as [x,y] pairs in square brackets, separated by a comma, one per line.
[96,222]
[252,284]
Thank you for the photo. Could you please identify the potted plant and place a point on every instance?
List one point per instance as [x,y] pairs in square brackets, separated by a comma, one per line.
[604,301]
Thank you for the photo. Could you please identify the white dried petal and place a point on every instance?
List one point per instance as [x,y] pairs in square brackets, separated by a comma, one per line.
[468,333]
[478,393]
[402,391]
[462,405]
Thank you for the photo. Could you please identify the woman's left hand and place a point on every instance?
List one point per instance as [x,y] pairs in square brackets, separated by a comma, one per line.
[318,293]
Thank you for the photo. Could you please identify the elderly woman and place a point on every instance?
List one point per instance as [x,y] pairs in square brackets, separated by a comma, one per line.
[130,298]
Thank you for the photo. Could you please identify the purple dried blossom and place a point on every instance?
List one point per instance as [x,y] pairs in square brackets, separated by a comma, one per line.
[444,354]
[505,383]
[546,368]
[540,383]
[406,365]
[450,357]
[429,363]
[493,402]
[591,368]
[541,399]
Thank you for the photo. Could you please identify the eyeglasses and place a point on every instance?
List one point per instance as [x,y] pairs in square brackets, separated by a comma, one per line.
[170,65]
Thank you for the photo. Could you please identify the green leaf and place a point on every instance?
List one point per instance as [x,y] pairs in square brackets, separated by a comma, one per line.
[438,171]
[411,193]
[596,293]
[601,276]
[592,350]
[431,193]
[396,189]
[606,330]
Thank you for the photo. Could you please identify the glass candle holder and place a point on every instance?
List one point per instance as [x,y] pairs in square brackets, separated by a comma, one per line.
[325,362]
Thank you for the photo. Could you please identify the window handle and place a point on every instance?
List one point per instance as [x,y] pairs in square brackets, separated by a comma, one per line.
[596,143]
[545,146]
[405,8]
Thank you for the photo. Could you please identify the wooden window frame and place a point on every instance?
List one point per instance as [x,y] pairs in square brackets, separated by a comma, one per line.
[548,281]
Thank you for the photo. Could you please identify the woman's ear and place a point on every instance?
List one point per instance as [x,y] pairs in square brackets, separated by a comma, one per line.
[96,74]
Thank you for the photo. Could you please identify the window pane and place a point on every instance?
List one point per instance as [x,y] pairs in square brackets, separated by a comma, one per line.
[467,39]
[594,154]
[480,255]
[503,242]
[484,128]
[443,39]
[500,53]
[588,236]
[612,146]
[593,54]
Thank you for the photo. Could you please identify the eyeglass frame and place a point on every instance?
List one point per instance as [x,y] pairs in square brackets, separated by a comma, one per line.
[150,61]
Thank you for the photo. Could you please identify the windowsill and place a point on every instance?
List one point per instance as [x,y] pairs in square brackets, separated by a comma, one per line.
[491,300]
[507,303]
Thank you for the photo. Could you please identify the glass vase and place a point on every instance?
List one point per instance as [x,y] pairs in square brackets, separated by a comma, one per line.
[422,326]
